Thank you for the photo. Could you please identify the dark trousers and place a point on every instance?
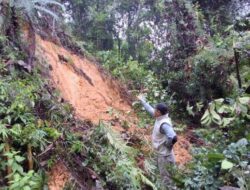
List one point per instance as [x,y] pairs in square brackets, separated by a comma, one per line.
[164,163]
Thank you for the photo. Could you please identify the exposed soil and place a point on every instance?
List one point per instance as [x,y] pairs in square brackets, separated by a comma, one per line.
[94,97]
[58,176]
[82,84]
[181,150]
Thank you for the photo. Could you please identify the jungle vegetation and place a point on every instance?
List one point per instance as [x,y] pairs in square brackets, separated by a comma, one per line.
[192,54]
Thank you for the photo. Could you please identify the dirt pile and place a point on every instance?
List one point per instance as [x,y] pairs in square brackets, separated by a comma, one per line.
[94,97]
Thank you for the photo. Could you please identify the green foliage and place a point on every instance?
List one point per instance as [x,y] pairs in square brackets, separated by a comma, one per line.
[14,161]
[135,75]
[223,163]
[137,78]
[206,78]
[18,99]
[241,45]
[179,40]
[19,178]
[98,16]
[233,116]
[77,146]
[239,163]
[211,169]
[214,14]
[8,51]
[209,75]
[114,160]
[190,48]
[201,179]
[27,115]
[27,181]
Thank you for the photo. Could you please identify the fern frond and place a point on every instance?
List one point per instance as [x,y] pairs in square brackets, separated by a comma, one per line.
[47,2]
[145,180]
[116,141]
[40,8]
[149,167]
[29,7]
[126,167]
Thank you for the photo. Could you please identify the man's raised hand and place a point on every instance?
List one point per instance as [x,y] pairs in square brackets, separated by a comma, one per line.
[141,97]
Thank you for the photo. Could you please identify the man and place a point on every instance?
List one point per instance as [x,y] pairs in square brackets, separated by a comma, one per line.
[163,139]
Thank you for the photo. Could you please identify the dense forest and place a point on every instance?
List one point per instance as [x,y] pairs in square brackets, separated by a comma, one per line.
[70,72]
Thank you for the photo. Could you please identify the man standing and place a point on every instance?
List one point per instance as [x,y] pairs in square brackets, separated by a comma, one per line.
[163,139]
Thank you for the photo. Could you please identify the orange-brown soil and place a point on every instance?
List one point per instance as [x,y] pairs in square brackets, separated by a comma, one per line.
[181,150]
[82,84]
[58,176]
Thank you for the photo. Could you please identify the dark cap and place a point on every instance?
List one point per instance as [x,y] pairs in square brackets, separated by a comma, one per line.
[162,107]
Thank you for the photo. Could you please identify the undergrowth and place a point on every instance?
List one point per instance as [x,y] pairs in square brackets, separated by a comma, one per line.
[32,119]
[115,161]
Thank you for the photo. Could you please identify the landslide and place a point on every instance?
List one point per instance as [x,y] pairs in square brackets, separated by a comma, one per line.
[94,96]
[82,83]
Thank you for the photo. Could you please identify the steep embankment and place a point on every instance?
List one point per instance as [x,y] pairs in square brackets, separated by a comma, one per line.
[93,96]
[82,84]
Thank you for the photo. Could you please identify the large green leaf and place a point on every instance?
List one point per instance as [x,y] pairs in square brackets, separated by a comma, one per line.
[227,121]
[226,165]
[245,100]
[242,142]
[19,158]
[216,118]
[219,101]
[206,119]
[215,156]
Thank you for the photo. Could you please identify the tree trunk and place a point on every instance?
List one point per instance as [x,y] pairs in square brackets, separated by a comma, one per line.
[30,159]
[236,58]
[8,168]
[119,47]
[31,49]
[12,27]
[4,16]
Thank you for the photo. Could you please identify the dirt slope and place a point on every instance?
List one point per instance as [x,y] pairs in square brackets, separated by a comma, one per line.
[82,83]
[92,95]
